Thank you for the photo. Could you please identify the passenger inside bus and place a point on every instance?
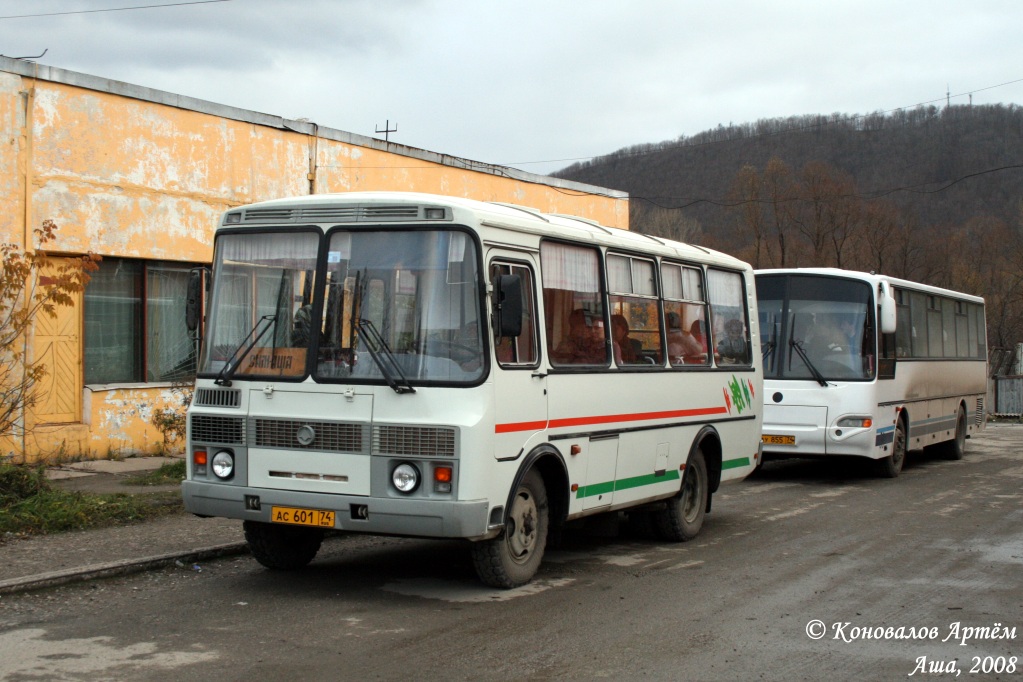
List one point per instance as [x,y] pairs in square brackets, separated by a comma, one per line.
[683,346]
[584,344]
[627,350]
[732,348]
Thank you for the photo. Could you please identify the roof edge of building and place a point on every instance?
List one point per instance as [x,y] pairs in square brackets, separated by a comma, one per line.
[29,69]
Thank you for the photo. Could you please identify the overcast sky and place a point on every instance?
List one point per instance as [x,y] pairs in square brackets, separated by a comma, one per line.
[537,84]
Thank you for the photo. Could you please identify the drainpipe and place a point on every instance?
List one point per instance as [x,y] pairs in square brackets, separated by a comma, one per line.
[27,244]
[313,150]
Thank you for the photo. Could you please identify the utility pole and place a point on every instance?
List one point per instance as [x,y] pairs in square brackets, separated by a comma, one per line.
[388,130]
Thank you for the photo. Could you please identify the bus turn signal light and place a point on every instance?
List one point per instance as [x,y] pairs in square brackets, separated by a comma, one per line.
[199,462]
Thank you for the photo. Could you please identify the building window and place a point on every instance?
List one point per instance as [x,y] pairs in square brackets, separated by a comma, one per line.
[135,323]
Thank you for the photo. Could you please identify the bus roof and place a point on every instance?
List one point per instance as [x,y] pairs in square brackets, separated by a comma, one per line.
[490,214]
[872,278]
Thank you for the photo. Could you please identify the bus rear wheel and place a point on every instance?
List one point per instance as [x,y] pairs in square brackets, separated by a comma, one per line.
[956,448]
[891,466]
[513,557]
[282,547]
[682,516]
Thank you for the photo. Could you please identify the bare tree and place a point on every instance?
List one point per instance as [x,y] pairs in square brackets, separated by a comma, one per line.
[669,223]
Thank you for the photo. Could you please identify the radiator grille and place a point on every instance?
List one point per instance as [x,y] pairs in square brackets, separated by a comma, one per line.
[283,433]
[214,397]
[212,429]
[426,441]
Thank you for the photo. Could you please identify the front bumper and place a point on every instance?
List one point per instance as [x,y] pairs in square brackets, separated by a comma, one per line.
[380,516]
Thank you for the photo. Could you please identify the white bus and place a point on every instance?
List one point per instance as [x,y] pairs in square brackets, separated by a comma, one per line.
[419,365]
[868,365]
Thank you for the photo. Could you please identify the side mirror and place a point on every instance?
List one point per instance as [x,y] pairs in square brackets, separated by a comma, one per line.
[508,305]
[194,297]
[886,302]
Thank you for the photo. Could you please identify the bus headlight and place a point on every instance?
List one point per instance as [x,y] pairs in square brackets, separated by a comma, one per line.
[223,464]
[405,477]
[854,423]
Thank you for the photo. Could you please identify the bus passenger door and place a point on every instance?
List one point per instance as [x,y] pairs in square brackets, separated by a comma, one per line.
[520,382]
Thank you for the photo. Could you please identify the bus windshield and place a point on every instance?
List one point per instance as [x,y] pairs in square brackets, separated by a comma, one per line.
[401,306]
[816,328]
[392,306]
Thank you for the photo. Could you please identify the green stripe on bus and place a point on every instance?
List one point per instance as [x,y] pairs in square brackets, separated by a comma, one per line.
[648,479]
[733,463]
[625,484]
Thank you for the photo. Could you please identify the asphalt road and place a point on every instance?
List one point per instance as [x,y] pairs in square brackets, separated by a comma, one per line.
[810,570]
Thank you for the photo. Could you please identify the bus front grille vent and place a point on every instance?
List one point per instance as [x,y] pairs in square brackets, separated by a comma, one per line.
[978,418]
[336,214]
[216,397]
[213,429]
[306,435]
[392,212]
[425,441]
[269,215]
[339,214]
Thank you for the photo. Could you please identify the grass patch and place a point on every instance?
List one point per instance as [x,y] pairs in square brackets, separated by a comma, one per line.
[29,505]
[171,473]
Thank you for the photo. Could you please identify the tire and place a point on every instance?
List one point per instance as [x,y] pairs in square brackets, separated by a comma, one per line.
[956,448]
[891,466]
[513,557]
[682,516]
[282,547]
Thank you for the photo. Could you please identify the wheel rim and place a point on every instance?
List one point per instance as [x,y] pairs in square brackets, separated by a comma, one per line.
[691,496]
[520,531]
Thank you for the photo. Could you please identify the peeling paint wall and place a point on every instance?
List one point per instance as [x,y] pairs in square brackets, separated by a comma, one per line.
[129,172]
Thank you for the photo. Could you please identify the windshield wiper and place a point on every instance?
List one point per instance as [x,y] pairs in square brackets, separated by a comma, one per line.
[813,370]
[231,366]
[384,358]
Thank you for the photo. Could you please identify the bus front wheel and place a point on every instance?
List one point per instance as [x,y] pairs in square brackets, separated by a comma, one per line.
[682,516]
[513,557]
[282,547]
[891,466]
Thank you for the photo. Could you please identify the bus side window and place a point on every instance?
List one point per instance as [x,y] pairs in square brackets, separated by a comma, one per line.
[731,331]
[521,350]
[573,299]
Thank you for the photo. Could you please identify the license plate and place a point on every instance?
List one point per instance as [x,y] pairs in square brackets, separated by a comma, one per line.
[302,517]
[778,440]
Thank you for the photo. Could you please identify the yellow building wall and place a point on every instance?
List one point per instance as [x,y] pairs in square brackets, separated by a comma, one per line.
[137,177]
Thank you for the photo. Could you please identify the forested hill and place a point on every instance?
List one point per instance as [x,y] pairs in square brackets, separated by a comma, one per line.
[910,151]
[930,194]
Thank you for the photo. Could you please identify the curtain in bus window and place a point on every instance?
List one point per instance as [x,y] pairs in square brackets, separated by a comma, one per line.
[281,250]
[977,313]
[570,267]
[619,275]
[730,334]
[948,327]
[918,312]
[671,280]
[643,281]
[693,283]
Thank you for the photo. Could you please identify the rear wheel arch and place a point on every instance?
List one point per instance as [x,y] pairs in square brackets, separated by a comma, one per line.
[709,441]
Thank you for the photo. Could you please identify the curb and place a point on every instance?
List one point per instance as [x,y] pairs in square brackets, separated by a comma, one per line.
[116,568]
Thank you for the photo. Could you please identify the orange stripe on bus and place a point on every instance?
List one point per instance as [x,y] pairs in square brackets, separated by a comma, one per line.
[606,419]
